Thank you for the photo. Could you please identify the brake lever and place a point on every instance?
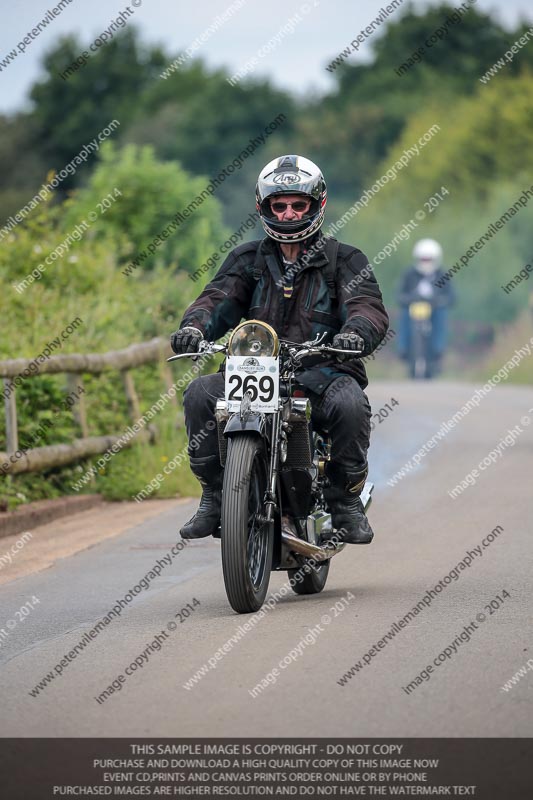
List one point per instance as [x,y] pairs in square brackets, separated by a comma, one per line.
[355,353]
[326,350]
[205,349]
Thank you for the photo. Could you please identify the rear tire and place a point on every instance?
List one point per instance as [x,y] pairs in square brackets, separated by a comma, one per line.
[246,543]
[311,582]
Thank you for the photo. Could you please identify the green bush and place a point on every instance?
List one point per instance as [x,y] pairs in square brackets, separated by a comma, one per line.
[115,310]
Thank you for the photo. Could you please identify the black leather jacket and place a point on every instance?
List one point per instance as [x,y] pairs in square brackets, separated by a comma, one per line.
[249,285]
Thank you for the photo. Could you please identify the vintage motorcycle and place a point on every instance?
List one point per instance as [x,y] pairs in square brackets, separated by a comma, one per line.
[420,360]
[274,516]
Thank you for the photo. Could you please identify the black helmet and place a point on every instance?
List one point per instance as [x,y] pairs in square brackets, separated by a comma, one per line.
[291,175]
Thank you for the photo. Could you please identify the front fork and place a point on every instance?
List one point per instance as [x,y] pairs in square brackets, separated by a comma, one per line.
[270,498]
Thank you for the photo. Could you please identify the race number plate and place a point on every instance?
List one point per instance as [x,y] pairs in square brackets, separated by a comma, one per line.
[258,375]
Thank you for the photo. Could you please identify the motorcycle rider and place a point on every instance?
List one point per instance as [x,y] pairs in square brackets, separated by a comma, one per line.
[301,283]
[419,283]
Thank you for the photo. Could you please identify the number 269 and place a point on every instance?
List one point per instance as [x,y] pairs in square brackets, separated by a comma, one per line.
[249,384]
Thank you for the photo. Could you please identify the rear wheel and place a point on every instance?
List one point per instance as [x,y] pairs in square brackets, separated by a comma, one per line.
[309,579]
[246,540]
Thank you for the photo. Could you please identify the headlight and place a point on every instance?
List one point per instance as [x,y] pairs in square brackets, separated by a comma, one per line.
[420,310]
[253,338]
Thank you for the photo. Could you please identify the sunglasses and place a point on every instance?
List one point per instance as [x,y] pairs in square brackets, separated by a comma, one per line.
[299,205]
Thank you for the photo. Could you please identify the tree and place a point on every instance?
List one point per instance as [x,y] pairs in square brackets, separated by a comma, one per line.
[200,120]
[22,164]
[151,194]
[69,112]
[359,122]
[482,155]
[454,50]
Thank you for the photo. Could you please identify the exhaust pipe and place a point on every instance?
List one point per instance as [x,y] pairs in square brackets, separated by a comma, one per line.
[318,523]
[309,550]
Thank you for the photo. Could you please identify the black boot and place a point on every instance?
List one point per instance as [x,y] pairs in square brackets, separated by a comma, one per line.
[343,496]
[206,521]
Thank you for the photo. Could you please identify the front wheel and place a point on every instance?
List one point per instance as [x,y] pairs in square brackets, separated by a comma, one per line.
[419,358]
[246,540]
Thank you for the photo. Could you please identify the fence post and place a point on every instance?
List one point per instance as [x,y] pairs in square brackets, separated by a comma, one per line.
[168,381]
[41,458]
[12,439]
[79,409]
[131,395]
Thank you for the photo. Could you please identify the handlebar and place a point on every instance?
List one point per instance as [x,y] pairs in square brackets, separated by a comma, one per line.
[296,350]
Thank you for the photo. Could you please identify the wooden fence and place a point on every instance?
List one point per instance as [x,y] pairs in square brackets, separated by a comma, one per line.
[74,366]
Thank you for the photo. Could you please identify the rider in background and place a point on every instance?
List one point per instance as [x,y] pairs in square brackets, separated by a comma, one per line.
[419,283]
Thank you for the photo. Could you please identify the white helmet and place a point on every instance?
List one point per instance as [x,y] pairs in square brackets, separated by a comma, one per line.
[427,255]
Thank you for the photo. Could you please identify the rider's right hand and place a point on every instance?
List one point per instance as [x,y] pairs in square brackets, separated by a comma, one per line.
[186,340]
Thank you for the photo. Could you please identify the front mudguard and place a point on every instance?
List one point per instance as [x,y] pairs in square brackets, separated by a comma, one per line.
[230,424]
[254,422]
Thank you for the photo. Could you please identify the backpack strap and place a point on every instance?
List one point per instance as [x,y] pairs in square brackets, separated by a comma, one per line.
[259,263]
[330,271]
[331,250]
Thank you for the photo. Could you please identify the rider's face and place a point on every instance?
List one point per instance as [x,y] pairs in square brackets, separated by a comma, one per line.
[288,213]
[426,265]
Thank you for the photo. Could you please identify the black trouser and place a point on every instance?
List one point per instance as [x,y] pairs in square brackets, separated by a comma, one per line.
[342,410]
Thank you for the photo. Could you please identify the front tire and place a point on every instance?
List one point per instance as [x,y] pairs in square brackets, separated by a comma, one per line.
[246,541]
[418,366]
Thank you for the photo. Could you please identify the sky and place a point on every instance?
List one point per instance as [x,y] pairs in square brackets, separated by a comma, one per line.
[310,34]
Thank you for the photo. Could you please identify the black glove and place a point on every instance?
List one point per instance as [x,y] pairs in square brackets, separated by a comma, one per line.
[186,340]
[351,342]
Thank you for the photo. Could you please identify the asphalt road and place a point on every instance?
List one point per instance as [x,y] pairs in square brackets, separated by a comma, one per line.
[421,535]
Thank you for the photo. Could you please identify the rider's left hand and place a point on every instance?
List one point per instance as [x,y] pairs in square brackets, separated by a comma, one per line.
[351,342]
